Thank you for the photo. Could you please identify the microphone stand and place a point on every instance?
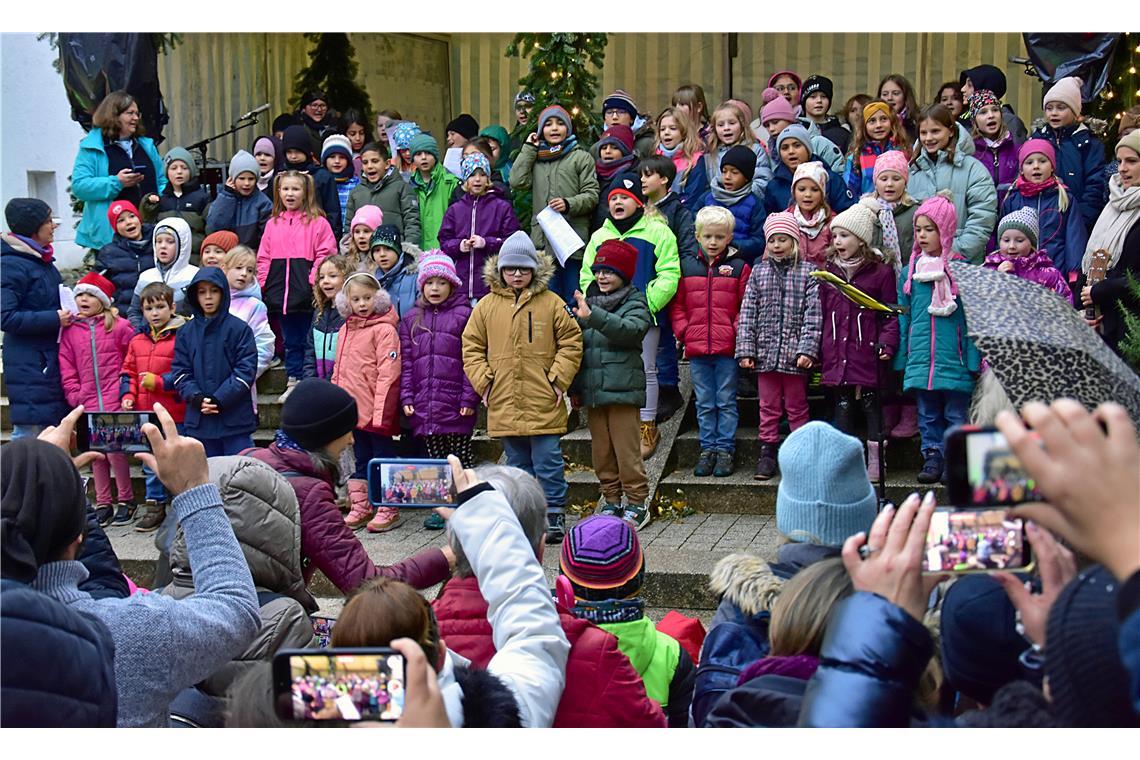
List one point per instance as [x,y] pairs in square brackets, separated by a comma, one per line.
[237,125]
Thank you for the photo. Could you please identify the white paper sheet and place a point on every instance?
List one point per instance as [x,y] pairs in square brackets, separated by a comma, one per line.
[452,161]
[67,299]
[560,236]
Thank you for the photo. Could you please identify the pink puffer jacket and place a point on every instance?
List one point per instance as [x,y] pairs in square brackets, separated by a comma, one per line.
[91,361]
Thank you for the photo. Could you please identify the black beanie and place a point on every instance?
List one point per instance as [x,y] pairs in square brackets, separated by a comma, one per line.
[817,83]
[25,216]
[742,158]
[627,183]
[463,124]
[284,121]
[312,96]
[980,643]
[297,137]
[317,413]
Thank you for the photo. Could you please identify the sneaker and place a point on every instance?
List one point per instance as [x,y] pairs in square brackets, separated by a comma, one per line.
[705,464]
[649,439]
[725,464]
[931,471]
[434,522]
[290,384]
[277,362]
[555,528]
[124,513]
[766,467]
[386,519]
[608,508]
[105,513]
[669,402]
[153,516]
[637,515]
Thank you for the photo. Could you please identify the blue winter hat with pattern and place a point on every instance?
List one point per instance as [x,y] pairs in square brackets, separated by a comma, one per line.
[402,134]
[387,235]
[474,162]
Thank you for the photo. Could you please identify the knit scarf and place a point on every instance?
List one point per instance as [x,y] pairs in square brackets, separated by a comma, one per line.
[730,197]
[1032,189]
[810,227]
[548,152]
[667,152]
[891,245]
[1114,223]
[264,180]
[610,611]
[283,441]
[607,169]
[933,269]
[849,267]
[625,225]
[606,301]
[45,251]
[345,174]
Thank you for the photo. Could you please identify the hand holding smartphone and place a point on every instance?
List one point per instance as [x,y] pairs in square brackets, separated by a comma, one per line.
[339,684]
[113,432]
[983,471]
[411,483]
[975,541]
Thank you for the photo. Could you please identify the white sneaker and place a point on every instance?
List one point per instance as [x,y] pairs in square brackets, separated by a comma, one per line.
[289,386]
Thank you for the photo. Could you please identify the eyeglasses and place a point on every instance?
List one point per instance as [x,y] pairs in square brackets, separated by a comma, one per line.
[319,106]
[782,88]
[516,270]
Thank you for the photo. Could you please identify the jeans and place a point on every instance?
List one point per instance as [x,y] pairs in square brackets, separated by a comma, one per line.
[667,372]
[780,392]
[541,456]
[26,431]
[155,491]
[227,445]
[368,446]
[937,412]
[714,385]
[296,332]
[649,359]
[565,279]
[845,405]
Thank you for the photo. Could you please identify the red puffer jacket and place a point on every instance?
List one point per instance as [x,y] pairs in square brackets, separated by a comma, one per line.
[152,353]
[602,688]
[707,305]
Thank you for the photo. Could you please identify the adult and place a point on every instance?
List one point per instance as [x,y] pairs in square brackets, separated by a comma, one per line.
[314,115]
[31,317]
[316,428]
[987,77]
[1117,230]
[788,84]
[115,162]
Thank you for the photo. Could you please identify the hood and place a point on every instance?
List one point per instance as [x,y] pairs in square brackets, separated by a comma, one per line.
[638,642]
[168,329]
[185,243]
[253,290]
[538,283]
[213,275]
[985,77]
[499,134]
[21,246]
[746,581]
[409,257]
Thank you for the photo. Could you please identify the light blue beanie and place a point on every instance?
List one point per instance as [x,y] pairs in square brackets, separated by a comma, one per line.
[824,494]
[797,132]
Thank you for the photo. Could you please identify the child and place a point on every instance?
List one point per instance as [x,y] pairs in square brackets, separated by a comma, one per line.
[382,186]
[401,139]
[779,333]
[939,361]
[994,145]
[561,176]
[336,158]
[1017,234]
[215,247]
[91,353]
[679,141]
[500,143]
[320,347]
[240,266]
[613,154]
[239,208]
[657,273]
[298,145]
[357,245]
[810,208]
[815,98]
[734,192]
[359,134]
[521,351]
[705,314]
[858,343]
[896,90]
[171,241]
[690,99]
[368,367]
[433,185]
[943,162]
[146,379]
[614,318]
[793,148]
[894,208]
[1080,156]
[730,129]
[129,253]
[395,264]
[437,398]
[214,368]
[182,197]
[459,131]
[270,156]
[475,226]
[879,131]
[296,239]
[1063,235]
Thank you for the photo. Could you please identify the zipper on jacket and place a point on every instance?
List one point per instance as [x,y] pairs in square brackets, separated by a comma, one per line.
[708,308]
[933,337]
[95,366]
[530,326]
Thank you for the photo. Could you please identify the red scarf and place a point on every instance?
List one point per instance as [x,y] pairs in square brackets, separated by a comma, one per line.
[1032,189]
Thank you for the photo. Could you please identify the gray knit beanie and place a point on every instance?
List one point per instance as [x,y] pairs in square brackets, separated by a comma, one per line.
[243,161]
[518,251]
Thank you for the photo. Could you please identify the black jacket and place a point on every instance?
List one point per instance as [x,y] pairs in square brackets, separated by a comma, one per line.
[769,701]
[122,261]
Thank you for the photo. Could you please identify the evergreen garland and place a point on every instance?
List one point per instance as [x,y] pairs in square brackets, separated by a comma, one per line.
[1130,344]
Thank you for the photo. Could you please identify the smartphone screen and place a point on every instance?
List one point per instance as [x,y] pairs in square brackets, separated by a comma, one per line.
[322,630]
[980,540]
[339,684]
[410,483]
[983,471]
[112,432]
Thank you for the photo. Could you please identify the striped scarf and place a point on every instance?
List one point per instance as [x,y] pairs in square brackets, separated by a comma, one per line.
[548,152]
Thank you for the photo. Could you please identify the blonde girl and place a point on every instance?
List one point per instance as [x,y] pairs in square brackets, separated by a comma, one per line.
[730,128]
[677,140]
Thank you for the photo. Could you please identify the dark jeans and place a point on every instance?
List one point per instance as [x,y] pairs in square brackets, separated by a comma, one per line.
[937,412]
[845,410]
[296,333]
[541,456]
[367,446]
[667,371]
[227,445]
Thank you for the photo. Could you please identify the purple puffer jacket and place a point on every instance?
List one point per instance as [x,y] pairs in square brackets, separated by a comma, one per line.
[853,335]
[1036,267]
[431,373]
[490,216]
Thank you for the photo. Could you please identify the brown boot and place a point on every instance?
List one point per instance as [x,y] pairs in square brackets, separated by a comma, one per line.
[649,439]
[152,518]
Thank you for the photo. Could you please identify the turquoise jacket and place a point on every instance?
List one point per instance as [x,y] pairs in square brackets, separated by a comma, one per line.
[935,353]
[91,184]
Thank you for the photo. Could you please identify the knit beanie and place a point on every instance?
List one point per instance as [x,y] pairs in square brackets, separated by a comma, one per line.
[778,108]
[858,220]
[336,144]
[424,143]
[980,643]
[183,155]
[782,222]
[317,413]
[767,95]
[436,263]
[617,256]
[525,98]
[387,235]
[265,145]
[243,161]
[284,121]
[795,77]
[401,135]
[620,99]
[1067,91]
[1037,145]
[602,559]
[874,107]
[117,209]
[224,239]
[892,161]
[296,137]
[940,210]
[824,495]
[741,158]
[25,216]
[814,171]
[817,83]
[312,96]
[555,111]
[744,108]
[794,132]
[518,251]
[474,162]
[463,124]
[370,216]
[629,183]
[1023,220]
[1131,140]
[980,99]
[620,136]
[97,285]
[985,77]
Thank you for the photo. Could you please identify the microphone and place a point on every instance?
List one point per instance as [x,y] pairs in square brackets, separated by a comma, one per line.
[260,109]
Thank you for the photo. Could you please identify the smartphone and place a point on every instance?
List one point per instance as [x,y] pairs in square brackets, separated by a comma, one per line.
[975,541]
[410,483]
[339,684]
[113,432]
[982,470]
[322,630]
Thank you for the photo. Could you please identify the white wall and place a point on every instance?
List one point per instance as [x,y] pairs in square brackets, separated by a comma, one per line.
[37,135]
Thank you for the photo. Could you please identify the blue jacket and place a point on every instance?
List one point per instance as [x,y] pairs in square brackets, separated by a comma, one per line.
[122,261]
[29,318]
[1062,235]
[91,184]
[935,353]
[245,216]
[57,665]
[748,235]
[1128,607]
[105,579]
[400,282]
[734,641]
[1080,165]
[215,357]
[695,186]
[320,346]
[778,194]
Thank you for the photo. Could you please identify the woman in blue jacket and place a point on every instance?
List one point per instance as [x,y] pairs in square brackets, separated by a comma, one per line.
[115,162]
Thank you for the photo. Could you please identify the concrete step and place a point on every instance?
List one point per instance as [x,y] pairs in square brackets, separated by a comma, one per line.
[904,454]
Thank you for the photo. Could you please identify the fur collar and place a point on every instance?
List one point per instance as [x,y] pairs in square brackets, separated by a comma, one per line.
[746,581]
[538,283]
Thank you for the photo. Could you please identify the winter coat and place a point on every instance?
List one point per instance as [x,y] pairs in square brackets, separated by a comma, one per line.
[29,319]
[153,352]
[1130,641]
[570,177]
[1112,294]
[760,179]
[320,346]
[1036,267]
[516,349]
[93,183]
[767,701]
[91,360]
[122,262]
[706,309]
[780,317]
[853,335]
[191,207]
[975,198]
[395,197]
[368,367]
[935,353]
[327,544]
[748,234]
[490,216]
[1080,165]
[778,196]
[178,275]
[288,259]
[603,690]
[612,372]
[658,263]
[247,306]
[57,664]
[693,186]
[215,357]
[833,130]
[859,170]
[400,281]
[1062,235]
[904,224]
[431,367]
[1001,161]
[681,222]
[664,666]
[434,197]
[243,215]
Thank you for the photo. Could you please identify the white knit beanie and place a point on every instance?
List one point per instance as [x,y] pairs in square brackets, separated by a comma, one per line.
[1068,91]
[858,220]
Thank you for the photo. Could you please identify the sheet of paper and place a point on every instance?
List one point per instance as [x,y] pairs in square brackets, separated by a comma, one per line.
[452,160]
[67,299]
[560,236]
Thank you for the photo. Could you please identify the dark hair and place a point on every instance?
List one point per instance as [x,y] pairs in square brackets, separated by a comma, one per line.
[157,291]
[948,86]
[354,116]
[483,145]
[375,147]
[659,165]
[940,114]
[909,101]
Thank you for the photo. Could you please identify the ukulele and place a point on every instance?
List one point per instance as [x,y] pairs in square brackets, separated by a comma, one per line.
[1098,266]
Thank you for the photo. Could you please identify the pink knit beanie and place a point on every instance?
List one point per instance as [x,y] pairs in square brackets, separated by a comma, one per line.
[892,161]
[370,216]
[779,108]
[1037,145]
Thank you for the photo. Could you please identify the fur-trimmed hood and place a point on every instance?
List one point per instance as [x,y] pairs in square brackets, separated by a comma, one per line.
[539,283]
[747,581]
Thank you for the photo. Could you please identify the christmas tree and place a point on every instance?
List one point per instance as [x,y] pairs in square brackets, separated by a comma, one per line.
[1122,90]
[562,70]
[332,69]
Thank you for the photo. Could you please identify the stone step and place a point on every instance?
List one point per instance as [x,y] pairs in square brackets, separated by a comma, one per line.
[904,454]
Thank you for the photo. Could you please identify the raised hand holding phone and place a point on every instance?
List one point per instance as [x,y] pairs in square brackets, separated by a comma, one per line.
[63,434]
[179,462]
[1057,567]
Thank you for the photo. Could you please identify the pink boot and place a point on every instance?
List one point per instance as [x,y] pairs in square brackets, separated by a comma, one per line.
[360,511]
[908,422]
[873,454]
[385,520]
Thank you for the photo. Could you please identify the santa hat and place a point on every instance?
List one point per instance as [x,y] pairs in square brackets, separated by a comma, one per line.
[97,285]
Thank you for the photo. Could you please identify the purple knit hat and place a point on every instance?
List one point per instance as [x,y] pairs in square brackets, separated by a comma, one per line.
[602,558]
[436,263]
